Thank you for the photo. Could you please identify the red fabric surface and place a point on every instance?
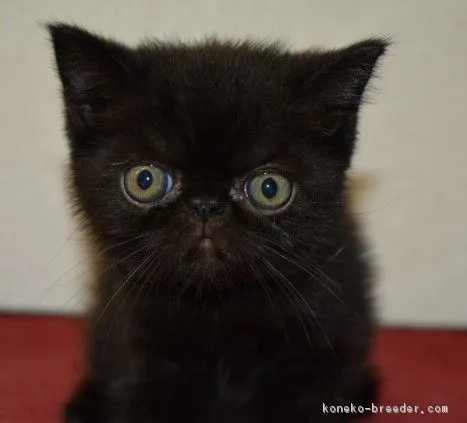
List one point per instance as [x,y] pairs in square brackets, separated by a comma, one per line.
[41,361]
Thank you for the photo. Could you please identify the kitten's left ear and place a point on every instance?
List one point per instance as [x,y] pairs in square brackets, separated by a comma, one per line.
[328,88]
[338,78]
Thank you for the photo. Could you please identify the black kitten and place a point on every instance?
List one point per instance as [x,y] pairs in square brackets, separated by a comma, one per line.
[233,287]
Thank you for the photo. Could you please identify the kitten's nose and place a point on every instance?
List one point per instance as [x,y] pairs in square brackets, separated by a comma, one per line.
[206,207]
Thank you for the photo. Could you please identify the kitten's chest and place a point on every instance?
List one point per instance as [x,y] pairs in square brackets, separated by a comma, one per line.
[226,363]
[216,344]
[228,366]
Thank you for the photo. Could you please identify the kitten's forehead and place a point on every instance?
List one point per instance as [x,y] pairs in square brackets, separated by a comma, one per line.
[214,146]
[225,102]
[213,65]
[225,83]
[231,153]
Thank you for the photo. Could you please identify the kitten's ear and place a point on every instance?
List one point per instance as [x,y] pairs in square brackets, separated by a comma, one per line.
[92,69]
[337,79]
[329,86]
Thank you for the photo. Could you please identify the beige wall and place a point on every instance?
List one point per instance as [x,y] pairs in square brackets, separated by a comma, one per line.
[411,160]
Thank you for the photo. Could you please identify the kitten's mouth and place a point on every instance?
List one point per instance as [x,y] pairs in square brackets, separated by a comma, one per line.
[203,251]
[205,239]
[206,231]
[206,245]
[204,242]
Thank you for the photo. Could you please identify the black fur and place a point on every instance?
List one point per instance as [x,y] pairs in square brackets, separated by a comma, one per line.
[275,319]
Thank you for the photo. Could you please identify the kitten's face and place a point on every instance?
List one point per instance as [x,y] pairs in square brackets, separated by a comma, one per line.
[210,195]
[213,163]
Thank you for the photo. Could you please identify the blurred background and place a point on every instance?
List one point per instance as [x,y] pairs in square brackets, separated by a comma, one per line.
[409,175]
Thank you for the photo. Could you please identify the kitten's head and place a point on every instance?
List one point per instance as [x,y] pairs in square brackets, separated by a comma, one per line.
[210,163]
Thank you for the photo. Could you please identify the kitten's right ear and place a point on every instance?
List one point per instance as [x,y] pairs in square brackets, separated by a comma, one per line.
[92,69]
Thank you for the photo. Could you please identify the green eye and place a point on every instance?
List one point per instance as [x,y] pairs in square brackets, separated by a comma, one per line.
[269,191]
[146,184]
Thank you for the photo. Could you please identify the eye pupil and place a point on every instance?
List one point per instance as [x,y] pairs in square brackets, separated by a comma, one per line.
[269,188]
[145,179]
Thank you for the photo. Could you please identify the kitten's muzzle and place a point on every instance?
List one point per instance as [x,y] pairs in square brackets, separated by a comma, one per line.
[205,208]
